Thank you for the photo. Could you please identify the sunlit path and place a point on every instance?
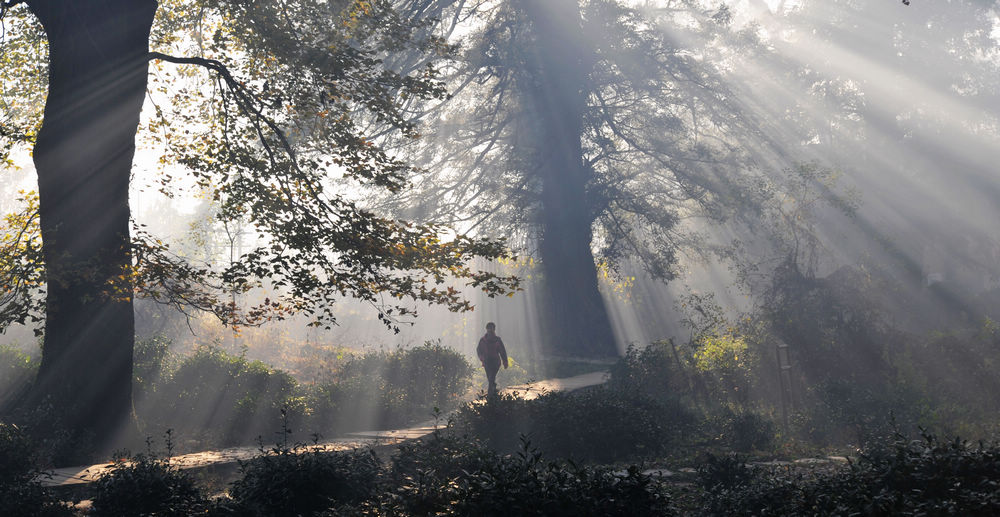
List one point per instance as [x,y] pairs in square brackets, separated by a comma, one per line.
[68,476]
[534,389]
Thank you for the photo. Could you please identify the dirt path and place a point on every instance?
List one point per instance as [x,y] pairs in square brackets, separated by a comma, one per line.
[69,476]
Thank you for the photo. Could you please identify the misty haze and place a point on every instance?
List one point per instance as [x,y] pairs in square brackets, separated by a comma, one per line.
[499,257]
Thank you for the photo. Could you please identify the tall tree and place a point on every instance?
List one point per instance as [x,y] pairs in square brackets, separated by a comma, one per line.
[554,86]
[83,155]
[313,245]
[592,125]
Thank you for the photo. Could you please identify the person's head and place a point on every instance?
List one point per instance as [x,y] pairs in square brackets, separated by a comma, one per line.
[491,328]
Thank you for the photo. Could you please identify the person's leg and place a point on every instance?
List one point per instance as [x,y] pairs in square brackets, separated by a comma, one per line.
[492,367]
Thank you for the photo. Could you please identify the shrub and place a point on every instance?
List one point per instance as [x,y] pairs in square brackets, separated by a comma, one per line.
[445,474]
[443,454]
[52,435]
[150,358]
[901,477]
[17,370]
[844,412]
[289,481]
[598,424]
[233,398]
[145,485]
[16,462]
[648,370]
[523,484]
[380,388]
[426,472]
[22,495]
[740,429]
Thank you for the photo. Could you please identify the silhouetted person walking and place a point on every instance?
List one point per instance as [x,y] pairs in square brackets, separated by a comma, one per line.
[491,351]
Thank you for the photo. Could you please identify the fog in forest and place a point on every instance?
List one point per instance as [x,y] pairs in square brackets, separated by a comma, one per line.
[795,202]
[895,107]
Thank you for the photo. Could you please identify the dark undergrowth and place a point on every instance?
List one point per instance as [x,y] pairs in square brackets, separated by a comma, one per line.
[926,476]
[450,474]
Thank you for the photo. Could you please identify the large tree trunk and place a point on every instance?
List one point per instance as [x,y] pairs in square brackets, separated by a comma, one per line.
[577,321]
[83,155]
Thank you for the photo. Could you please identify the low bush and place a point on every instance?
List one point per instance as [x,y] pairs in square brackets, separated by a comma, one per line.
[903,477]
[387,388]
[52,436]
[650,370]
[445,454]
[475,481]
[840,412]
[213,397]
[151,357]
[289,481]
[17,370]
[222,398]
[144,484]
[21,495]
[597,424]
[738,429]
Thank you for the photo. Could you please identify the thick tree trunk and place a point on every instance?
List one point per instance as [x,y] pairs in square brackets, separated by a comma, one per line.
[83,155]
[577,321]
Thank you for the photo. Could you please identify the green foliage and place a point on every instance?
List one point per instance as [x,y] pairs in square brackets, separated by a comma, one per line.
[721,352]
[856,373]
[457,476]
[649,370]
[217,398]
[16,461]
[22,495]
[17,370]
[55,440]
[898,477]
[740,429]
[144,484]
[294,122]
[524,485]
[644,410]
[441,454]
[290,482]
[227,398]
[383,388]
[597,424]
[427,472]
[22,275]
[844,412]
[150,360]
[716,372]
[725,472]
[955,372]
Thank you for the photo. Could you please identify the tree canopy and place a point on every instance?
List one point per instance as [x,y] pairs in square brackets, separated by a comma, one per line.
[242,134]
